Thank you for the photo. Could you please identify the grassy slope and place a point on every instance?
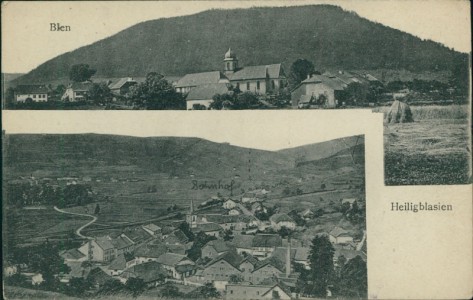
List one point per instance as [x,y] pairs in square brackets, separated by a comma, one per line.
[324,34]
[432,150]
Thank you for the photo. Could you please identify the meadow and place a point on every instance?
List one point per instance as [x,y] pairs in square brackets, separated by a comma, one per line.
[434,149]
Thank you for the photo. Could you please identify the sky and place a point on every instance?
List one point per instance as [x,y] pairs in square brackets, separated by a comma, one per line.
[28,42]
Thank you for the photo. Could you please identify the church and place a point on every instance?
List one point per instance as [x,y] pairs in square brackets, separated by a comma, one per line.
[261,80]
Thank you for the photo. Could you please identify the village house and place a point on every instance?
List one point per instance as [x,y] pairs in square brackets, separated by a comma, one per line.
[307,214]
[222,267]
[190,81]
[339,235]
[211,229]
[152,229]
[99,249]
[229,204]
[200,97]
[215,248]
[233,212]
[37,279]
[73,255]
[152,273]
[235,222]
[122,244]
[350,201]
[122,86]
[177,237]
[31,93]
[279,221]
[253,292]
[77,91]
[178,266]
[315,86]
[149,252]
[121,263]
[260,245]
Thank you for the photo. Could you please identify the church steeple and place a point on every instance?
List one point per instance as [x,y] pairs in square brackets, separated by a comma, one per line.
[230,62]
[191,218]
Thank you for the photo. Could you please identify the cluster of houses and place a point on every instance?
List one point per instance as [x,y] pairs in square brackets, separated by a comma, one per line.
[200,88]
[251,265]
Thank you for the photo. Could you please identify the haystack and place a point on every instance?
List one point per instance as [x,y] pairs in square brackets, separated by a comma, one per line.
[399,112]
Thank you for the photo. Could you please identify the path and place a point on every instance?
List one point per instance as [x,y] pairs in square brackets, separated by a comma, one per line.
[83,226]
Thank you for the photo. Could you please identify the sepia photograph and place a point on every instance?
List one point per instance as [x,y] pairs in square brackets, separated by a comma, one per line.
[200,215]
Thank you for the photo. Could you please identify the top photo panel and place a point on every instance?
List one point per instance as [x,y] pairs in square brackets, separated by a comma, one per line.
[409,60]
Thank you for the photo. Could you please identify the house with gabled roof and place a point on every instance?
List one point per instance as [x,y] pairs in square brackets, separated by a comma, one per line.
[201,96]
[316,86]
[222,267]
[152,273]
[215,248]
[152,229]
[211,229]
[77,91]
[73,255]
[120,264]
[245,291]
[190,81]
[260,245]
[281,220]
[31,93]
[121,86]
[177,265]
[99,249]
[177,237]
[149,252]
[339,235]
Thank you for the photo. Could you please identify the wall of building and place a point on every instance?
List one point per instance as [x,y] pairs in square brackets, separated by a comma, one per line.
[318,89]
[244,292]
[34,97]
[220,270]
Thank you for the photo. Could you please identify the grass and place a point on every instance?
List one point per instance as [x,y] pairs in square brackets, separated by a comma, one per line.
[14,292]
[451,112]
[434,149]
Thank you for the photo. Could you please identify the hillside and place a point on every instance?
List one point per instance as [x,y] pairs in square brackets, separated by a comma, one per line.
[324,34]
[171,155]
[321,150]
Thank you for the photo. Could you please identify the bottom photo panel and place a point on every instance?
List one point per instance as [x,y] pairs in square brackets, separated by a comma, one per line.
[118,216]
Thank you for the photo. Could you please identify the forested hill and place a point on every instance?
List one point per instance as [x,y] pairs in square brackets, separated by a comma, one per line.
[325,34]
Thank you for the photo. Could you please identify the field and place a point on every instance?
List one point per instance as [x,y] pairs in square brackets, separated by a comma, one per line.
[434,149]
[136,180]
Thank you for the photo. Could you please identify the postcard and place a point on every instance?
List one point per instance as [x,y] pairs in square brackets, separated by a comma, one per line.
[237,150]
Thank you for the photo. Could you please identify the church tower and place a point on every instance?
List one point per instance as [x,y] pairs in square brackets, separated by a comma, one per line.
[230,62]
[191,218]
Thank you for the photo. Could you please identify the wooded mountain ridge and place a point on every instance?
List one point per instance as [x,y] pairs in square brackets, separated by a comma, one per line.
[327,35]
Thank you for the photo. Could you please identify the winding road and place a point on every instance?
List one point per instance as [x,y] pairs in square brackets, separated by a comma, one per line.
[83,226]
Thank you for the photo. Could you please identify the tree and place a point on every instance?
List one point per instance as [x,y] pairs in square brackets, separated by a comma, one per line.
[246,100]
[100,93]
[9,97]
[205,292]
[236,278]
[299,71]
[136,286]
[200,240]
[170,291]
[97,209]
[81,73]
[227,235]
[78,286]
[321,264]
[186,229]
[156,93]
[353,281]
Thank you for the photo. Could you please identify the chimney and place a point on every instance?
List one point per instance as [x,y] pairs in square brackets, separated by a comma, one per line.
[288,259]
[308,76]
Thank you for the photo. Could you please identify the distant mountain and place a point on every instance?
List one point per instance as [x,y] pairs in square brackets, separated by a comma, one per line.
[7,77]
[327,35]
[79,153]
